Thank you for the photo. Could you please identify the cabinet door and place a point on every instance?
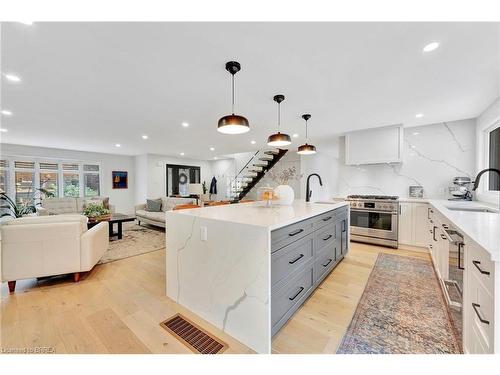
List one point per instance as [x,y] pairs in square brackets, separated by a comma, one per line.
[420,224]
[405,226]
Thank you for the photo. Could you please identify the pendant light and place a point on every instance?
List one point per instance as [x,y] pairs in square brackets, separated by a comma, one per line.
[306,149]
[279,139]
[233,124]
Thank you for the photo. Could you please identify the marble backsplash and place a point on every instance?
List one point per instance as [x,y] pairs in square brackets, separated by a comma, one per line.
[432,156]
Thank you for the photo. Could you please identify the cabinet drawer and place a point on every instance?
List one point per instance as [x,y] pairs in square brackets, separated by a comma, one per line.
[482,267]
[481,311]
[285,300]
[290,258]
[284,236]
[324,237]
[325,261]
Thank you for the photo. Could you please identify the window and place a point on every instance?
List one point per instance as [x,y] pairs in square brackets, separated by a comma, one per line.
[4,176]
[49,178]
[25,183]
[71,180]
[494,159]
[91,180]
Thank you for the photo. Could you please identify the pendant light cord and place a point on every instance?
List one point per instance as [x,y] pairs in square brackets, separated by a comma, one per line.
[307,138]
[279,116]
[232,95]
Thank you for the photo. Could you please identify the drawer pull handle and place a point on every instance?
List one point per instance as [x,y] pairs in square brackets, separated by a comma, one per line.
[477,263]
[476,307]
[296,232]
[443,237]
[445,226]
[327,263]
[296,294]
[327,218]
[431,221]
[327,237]
[296,259]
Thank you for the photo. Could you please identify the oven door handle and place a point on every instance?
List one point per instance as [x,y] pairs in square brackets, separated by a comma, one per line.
[375,211]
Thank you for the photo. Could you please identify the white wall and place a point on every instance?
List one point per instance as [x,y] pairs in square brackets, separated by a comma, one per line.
[223,170]
[122,199]
[488,119]
[432,156]
[327,166]
[141,178]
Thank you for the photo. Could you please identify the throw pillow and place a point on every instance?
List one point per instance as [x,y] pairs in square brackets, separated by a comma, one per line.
[153,205]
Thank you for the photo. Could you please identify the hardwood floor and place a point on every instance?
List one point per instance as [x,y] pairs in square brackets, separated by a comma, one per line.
[116,308]
[319,325]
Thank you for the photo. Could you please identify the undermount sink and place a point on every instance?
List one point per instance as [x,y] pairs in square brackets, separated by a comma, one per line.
[473,209]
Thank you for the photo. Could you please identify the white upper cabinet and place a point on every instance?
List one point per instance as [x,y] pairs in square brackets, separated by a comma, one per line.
[374,146]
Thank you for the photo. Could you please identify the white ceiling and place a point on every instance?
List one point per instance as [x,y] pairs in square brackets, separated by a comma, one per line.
[87,86]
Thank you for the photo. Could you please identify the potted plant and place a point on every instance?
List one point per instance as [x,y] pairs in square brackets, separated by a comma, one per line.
[283,192]
[96,212]
[9,207]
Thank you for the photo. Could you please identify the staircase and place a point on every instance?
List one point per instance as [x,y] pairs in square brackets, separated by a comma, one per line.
[253,171]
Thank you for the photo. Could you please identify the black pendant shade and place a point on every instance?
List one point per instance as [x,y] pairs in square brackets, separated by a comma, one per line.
[306,149]
[233,124]
[279,139]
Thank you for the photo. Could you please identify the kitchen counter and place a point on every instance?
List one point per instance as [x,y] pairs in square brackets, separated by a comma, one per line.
[481,227]
[219,262]
[257,214]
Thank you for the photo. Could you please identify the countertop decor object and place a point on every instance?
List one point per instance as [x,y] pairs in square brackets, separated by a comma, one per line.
[416,192]
[279,139]
[306,149]
[233,124]
[284,193]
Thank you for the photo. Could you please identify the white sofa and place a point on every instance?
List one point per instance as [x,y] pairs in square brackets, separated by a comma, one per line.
[50,245]
[158,218]
[66,205]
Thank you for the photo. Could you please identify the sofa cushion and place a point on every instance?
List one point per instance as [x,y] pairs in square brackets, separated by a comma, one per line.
[168,203]
[155,216]
[60,205]
[153,205]
[64,218]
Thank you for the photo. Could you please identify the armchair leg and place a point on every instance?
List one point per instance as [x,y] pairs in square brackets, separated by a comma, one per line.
[12,286]
[76,277]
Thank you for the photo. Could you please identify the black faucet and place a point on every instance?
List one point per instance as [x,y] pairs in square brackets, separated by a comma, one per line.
[308,190]
[478,177]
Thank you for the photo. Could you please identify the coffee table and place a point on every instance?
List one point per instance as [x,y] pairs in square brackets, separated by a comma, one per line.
[117,219]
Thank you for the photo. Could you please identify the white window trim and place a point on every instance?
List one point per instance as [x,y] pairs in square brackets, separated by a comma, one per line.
[11,188]
[485,194]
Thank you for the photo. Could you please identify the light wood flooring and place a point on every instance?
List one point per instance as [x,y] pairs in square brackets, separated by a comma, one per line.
[116,308]
[319,325]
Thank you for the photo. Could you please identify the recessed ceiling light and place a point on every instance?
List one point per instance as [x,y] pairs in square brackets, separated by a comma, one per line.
[419,115]
[6,112]
[145,136]
[416,133]
[3,130]
[253,142]
[182,154]
[118,145]
[212,148]
[13,78]
[185,124]
[215,157]
[431,47]
[295,135]
[29,23]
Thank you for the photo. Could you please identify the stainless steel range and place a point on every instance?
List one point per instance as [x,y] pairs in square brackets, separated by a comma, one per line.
[374,219]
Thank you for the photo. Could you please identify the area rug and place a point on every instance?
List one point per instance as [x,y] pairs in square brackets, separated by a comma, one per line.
[402,311]
[136,240]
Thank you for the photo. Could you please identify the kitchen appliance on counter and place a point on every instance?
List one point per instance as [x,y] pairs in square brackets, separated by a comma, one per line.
[461,189]
[374,219]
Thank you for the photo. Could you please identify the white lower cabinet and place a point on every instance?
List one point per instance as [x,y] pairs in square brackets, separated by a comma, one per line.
[413,227]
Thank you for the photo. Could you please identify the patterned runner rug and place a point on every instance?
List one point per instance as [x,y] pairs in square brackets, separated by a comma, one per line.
[402,311]
[137,240]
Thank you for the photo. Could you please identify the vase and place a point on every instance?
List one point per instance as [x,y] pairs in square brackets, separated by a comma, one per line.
[285,195]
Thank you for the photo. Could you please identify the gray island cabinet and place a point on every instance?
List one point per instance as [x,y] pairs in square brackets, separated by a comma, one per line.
[302,255]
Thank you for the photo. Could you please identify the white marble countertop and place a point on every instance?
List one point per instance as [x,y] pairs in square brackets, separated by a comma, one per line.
[481,227]
[257,214]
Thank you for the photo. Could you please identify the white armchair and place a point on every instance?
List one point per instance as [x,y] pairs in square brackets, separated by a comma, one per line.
[50,245]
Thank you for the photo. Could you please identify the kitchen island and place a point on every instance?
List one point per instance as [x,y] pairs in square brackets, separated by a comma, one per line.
[246,268]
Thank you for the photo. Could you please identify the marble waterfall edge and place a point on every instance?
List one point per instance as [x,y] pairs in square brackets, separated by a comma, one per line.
[225,279]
